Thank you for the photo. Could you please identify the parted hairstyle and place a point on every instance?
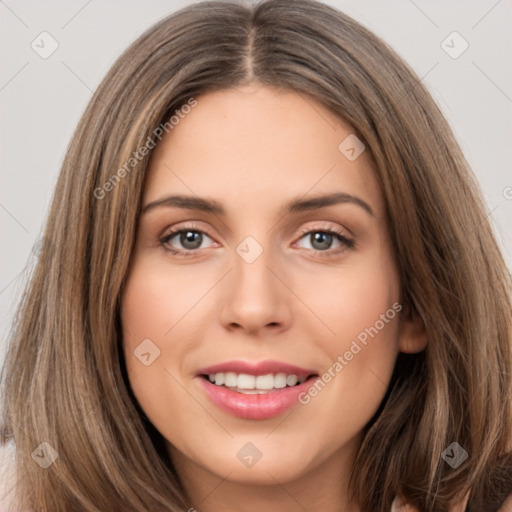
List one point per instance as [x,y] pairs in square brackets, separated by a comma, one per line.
[64,381]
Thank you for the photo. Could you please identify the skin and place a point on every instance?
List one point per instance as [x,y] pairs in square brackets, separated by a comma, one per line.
[253,149]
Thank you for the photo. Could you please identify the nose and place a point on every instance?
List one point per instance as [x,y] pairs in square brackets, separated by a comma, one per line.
[256,299]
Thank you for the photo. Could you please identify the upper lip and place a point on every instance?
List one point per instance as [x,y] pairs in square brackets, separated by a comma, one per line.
[257,368]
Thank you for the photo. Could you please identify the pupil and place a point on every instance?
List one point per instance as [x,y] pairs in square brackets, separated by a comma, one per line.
[191,237]
[322,238]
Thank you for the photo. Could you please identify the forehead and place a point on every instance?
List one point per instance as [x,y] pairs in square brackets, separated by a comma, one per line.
[257,142]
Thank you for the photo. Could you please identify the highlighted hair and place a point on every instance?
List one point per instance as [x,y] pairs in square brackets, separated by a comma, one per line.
[64,380]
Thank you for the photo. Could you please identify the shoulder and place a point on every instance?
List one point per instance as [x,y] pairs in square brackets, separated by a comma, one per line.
[400,506]
[507,505]
[7,476]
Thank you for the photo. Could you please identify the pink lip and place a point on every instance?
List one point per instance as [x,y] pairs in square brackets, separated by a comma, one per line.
[255,407]
[261,368]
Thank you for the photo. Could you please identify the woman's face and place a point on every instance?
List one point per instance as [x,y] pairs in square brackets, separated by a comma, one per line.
[314,286]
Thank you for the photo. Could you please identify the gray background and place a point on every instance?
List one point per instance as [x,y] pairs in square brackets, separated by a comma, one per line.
[41,100]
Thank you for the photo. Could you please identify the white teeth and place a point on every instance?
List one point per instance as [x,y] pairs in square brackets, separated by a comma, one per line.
[245,381]
[230,379]
[265,381]
[291,380]
[251,384]
[252,391]
[280,380]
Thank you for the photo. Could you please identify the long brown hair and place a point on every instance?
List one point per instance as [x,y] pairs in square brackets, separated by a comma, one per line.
[64,381]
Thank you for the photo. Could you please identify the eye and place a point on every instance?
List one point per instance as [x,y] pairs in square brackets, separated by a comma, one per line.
[190,238]
[322,239]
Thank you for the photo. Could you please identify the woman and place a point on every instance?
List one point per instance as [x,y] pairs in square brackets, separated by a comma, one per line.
[260,288]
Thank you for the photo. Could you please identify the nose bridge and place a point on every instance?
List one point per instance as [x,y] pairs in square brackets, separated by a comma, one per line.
[255,297]
[252,262]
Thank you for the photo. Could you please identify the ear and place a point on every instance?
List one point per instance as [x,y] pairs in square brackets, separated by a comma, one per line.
[412,334]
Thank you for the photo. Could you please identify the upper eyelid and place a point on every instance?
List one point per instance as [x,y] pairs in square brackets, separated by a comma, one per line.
[174,231]
[324,225]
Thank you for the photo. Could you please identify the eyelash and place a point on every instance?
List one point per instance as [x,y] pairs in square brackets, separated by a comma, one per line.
[347,243]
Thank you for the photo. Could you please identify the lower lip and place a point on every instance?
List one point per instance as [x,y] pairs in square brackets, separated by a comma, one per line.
[255,407]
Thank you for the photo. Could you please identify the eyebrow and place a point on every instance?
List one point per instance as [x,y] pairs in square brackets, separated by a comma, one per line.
[296,205]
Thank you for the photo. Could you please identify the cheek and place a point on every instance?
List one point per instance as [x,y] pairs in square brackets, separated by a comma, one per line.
[356,300]
[360,306]
[162,313]
[154,307]
[155,299]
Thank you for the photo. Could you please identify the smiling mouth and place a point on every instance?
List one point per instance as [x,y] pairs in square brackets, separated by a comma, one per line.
[255,385]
